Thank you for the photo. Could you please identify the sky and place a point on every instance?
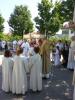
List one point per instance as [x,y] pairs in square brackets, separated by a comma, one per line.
[7,7]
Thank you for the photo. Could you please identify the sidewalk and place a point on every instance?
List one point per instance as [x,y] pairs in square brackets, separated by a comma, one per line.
[57,87]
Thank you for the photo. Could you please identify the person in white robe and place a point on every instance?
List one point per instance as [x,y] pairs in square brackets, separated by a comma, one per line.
[7,67]
[20,42]
[31,49]
[19,77]
[71,62]
[35,65]
[26,61]
[71,58]
[14,45]
[3,45]
[25,46]
[57,57]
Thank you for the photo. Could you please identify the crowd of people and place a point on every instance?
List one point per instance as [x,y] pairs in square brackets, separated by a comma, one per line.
[29,58]
[60,53]
[34,58]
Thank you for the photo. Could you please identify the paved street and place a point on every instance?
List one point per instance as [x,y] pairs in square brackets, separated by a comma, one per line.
[57,87]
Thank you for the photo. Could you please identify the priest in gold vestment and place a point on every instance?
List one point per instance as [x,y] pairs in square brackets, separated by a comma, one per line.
[45,54]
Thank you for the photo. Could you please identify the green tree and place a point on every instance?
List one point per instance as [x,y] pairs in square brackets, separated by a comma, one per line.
[64,10]
[51,17]
[44,15]
[20,20]
[67,9]
[1,23]
[47,22]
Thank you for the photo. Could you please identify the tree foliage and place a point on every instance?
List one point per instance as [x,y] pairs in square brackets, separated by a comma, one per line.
[1,23]
[47,22]
[7,37]
[51,17]
[64,10]
[20,20]
[42,21]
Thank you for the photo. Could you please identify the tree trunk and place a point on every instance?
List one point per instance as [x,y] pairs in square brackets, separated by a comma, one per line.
[74,17]
[74,14]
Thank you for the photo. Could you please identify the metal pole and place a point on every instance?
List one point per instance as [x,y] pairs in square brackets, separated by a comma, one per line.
[45,32]
[74,14]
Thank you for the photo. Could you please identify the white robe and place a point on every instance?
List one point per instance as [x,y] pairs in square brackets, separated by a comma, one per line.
[57,58]
[35,66]
[26,61]
[25,47]
[19,78]
[71,61]
[31,51]
[7,67]
[73,66]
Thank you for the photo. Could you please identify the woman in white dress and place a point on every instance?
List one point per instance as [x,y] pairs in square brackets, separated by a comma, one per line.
[35,65]
[19,78]
[71,62]
[57,56]
[7,67]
